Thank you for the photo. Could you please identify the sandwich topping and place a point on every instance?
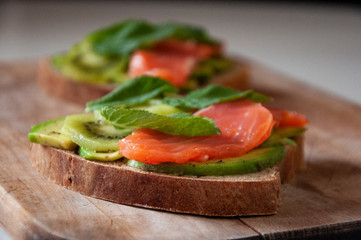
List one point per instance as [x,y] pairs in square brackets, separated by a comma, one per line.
[171,59]
[244,125]
[144,123]
[184,55]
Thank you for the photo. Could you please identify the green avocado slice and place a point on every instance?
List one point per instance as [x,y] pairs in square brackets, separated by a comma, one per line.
[48,133]
[254,161]
[290,132]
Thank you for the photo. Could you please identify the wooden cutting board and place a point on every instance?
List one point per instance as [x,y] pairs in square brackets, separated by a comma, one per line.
[323,201]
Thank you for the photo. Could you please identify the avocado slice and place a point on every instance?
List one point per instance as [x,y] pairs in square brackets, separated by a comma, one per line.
[210,67]
[290,132]
[254,161]
[205,70]
[283,136]
[105,156]
[48,133]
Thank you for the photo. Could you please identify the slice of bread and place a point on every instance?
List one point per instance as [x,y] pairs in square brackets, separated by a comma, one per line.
[237,195]
[59,86]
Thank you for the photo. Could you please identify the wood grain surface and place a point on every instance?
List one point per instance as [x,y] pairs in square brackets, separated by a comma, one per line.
[322,201]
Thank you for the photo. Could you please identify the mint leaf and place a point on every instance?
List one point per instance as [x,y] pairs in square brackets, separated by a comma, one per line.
[178,124]
[124,38]
[186,32]
[213,94]
[135,91]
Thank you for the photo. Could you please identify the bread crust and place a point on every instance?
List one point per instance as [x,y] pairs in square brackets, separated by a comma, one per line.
[239,195]
[57,85]
[295,161]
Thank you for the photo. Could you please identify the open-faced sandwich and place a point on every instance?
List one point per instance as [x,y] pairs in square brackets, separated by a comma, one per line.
[184,55]
[215,151]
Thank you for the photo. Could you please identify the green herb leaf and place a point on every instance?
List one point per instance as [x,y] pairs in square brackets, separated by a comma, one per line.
[178,124]
[123,38]
[213,94]
[186,32]
[135,91]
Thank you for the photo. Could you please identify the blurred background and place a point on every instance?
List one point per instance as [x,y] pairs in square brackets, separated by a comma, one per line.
[316,42]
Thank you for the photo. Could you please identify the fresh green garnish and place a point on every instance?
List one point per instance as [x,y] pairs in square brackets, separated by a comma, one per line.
[144,88]
[212,94]
[124,38]
[177,124]
[136,91]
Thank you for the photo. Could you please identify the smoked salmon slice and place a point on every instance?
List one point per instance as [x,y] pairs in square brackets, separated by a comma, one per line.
[244,125]
[286,118]
[172,60]
[171,67]
[188,48]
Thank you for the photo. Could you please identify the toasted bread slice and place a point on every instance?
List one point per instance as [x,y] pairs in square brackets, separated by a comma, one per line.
[237,195]
[59,86]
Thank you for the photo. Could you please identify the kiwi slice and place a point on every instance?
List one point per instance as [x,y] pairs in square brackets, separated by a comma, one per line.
[105,156]
[81,63]
[48,133]
[90,133]
[156,106]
